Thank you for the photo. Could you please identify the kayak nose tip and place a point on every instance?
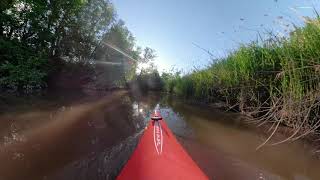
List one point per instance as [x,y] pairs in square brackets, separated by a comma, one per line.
[156,116]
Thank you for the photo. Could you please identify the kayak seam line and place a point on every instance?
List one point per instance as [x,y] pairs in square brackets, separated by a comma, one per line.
[154,137]
[161,137]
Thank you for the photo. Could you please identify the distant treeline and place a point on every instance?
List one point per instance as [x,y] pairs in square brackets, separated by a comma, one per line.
[276,80]
[37,37]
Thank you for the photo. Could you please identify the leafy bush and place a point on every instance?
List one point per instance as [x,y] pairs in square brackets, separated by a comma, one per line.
[21,68]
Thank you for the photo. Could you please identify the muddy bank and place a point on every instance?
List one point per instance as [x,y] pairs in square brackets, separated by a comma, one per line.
[280,134]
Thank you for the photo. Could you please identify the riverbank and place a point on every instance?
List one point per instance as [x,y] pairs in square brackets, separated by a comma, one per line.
[232,145]
[101,137]
[274,80]
[280,134]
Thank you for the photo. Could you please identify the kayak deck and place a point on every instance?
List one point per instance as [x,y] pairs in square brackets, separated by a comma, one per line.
[160,156]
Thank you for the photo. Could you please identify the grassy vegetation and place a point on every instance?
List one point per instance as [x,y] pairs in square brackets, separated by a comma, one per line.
[275,80]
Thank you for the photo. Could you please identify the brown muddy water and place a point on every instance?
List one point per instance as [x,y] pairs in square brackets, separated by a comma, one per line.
[76,137]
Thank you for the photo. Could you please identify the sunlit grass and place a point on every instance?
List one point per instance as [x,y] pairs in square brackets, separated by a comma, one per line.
[260,73]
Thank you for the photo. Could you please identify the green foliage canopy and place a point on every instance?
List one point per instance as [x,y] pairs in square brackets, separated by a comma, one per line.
[35,31]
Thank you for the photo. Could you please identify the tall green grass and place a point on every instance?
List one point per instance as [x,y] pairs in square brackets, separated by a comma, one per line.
[278,74]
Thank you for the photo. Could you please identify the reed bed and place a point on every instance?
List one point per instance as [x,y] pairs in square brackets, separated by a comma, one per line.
[275,80]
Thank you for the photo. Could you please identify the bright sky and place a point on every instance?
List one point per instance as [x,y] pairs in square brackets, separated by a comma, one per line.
[171,27]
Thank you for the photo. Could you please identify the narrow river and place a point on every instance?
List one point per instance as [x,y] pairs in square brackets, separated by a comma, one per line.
[70,137]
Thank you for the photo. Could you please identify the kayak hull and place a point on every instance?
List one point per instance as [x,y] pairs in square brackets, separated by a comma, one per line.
[160,156]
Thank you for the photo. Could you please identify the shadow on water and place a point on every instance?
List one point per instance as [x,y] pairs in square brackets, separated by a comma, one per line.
[78,137]
[74,141]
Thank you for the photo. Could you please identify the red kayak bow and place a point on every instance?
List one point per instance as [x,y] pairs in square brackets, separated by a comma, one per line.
[159,156]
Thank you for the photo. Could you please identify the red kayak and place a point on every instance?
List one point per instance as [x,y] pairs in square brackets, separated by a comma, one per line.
[159,156]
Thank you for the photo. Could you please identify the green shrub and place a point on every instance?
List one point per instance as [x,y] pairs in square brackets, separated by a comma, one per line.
[21,68]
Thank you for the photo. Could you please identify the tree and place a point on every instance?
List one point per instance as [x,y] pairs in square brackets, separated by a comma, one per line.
[85,31]
[34,30]
[148,55]
[74,31]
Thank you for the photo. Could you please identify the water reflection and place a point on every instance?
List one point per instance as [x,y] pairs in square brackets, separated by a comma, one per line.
[94,142]
[42,145]
[225,149]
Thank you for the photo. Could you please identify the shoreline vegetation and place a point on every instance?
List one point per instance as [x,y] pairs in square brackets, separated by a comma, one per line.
[274,81]
[66,44]
[84,45]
